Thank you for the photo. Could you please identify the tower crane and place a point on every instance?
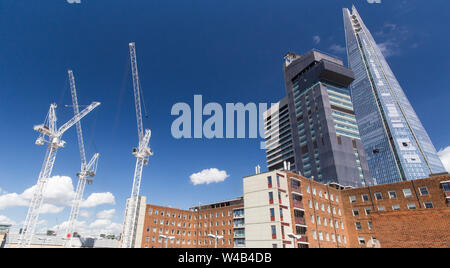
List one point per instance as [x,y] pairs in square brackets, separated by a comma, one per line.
[142,152]
[54,141]
[88,170]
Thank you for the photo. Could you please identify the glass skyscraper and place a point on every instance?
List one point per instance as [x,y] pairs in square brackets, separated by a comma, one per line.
[396,144]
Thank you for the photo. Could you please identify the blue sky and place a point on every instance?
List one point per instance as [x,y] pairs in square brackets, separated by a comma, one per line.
[228,51]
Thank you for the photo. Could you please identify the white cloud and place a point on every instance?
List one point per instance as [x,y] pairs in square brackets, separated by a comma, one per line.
[212,175]
[316,39]
[12,200]
[85,214]
[97,199]
[106,214]
[58,194]
[6,220]
[74,1]
[95,228]
[444,154]
[2,191]
[389,48]
[50,209]
[59,191]
[338,49]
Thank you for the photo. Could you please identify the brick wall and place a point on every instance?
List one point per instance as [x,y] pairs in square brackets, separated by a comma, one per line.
[423,228]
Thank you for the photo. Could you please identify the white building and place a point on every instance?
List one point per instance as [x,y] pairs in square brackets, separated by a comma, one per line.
[267,210]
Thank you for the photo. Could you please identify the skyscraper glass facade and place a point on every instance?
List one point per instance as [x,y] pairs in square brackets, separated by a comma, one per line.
[396,144]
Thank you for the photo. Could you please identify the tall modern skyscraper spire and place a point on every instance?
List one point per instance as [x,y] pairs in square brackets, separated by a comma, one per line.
[396,144]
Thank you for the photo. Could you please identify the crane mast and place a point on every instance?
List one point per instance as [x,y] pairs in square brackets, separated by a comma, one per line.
[54,142]
[88,170]
[141,153]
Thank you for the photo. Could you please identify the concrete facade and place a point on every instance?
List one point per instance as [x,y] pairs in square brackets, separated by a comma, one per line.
[267,211]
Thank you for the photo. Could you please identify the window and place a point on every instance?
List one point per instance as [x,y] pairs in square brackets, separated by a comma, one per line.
[269,181]
[309,203]
[381,208]
[270,197]
[352,199]
[423,190]
[274,232]
[396,207]
[318,221]
[274,246]
[367,210]
[361,240]
[314,234]
[392,195]
[365,197]
[356,212]
[272,214]
[307,189]
[358,225]
[378,196]
[370,225]
[428,205]
[320,236]
[407,193]
[412,206]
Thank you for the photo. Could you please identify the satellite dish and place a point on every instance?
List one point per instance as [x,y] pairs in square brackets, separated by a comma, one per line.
[373,243]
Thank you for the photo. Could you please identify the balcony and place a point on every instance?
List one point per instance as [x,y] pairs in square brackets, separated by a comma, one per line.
[295,188]
[237,226]
[236,236]
[303,239]
[238,216]
[300,221]
[299,205]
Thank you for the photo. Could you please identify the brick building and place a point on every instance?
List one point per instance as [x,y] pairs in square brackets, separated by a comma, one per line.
[277,204]
[404,214]
[190,228]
